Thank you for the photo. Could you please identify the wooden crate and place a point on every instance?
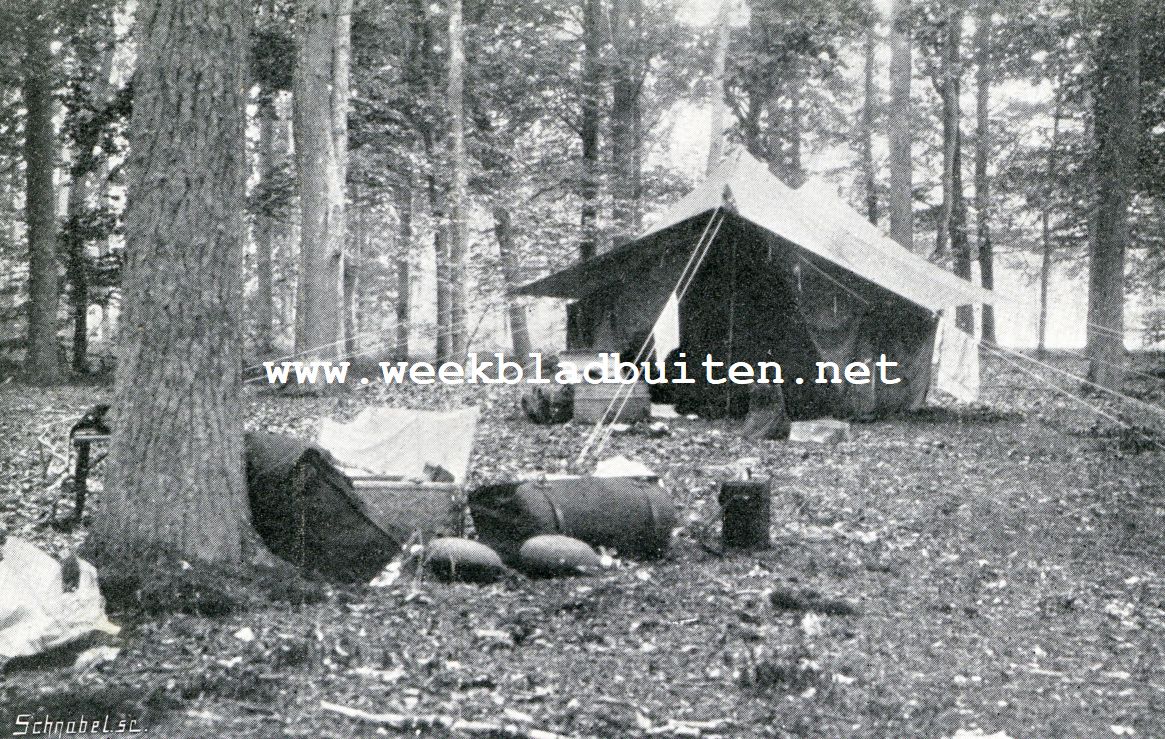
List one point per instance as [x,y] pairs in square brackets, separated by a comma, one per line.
[592,401]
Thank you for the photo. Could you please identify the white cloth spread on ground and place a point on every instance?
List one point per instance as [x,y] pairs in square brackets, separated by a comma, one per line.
[36,613]
[957,356]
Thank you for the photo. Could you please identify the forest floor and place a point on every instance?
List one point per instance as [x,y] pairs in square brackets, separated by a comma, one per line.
[1007,564]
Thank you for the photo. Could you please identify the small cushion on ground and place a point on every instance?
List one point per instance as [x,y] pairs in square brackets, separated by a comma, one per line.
[460,560]
[554,555]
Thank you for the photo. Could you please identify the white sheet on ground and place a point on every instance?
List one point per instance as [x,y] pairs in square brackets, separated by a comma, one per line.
[401,442]
[36,614]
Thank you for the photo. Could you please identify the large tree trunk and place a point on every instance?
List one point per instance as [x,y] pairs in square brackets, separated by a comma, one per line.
[1117,135]
[901,163]
[869,114]
[1046,218]
[519,328]
[625,91]
[983,72]
[589,128]
[320,108]
[175,472]
[42,361]
[458,274]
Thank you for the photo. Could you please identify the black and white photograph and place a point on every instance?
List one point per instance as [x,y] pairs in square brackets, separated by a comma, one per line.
[571,369]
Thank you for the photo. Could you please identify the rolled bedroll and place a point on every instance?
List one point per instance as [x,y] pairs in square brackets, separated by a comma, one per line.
[631,515]
[309,513]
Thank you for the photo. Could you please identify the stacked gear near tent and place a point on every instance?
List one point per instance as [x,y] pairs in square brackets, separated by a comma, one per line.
[795,277]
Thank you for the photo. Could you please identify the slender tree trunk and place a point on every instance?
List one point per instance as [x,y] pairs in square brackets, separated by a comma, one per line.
[1046,218]
[1117,138]
[949,91]
[869,115]
[983,73]
[404,214]
[519,328]
[77,272]
[901,162]
[320,97]
[458,274]
[352,261]
[625,91]
[175,472]
[719,106]
[42,361]
[589,128]
[264,231]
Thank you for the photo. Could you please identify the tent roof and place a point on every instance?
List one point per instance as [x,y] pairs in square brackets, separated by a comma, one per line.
[812,217]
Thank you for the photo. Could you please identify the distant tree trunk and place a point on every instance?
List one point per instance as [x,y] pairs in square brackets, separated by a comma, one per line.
[94,93]
[869,114]
[1046,217]
[320,118]
[1117,135]
[901,162]
[589,127]
[948,89]
[77,272]
[42,362]
[404,214]
[264,230]
[519,329]
[352,262]
[175,472]
[458,274]
[438,207]
[625,91]
[983,73]
[719,107]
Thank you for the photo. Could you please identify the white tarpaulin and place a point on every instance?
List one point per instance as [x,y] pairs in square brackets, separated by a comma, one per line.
[37,613]
[957,355]
[401,443]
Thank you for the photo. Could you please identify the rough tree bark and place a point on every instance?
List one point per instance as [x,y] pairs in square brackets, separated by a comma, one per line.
[320,108]
[175,473]
[983,74]
[589,128]
[869,115]
[1117,134]
[901,164]
[458,274]
[42,360]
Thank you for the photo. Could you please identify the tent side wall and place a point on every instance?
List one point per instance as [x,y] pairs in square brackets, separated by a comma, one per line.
[759,298]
